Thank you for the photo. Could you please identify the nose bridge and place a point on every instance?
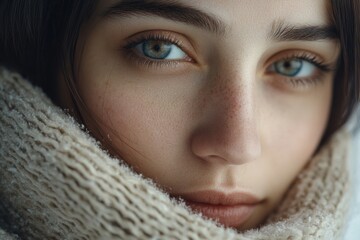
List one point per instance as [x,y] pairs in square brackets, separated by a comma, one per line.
[230,134]
[235,98]
[236,115]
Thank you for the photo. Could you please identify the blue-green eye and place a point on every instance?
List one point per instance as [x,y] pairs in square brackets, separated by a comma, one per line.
[295,67]
[160,50]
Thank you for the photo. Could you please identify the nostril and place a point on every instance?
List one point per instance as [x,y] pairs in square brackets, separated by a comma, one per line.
[232,149]
[214,159]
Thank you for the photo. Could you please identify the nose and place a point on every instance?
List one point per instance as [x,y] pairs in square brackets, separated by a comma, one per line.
[228,133]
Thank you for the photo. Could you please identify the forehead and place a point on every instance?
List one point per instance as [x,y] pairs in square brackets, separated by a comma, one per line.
[263,9]
[234,11]
[263,13]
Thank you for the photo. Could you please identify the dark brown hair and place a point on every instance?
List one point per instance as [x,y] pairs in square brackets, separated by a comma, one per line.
[346,18]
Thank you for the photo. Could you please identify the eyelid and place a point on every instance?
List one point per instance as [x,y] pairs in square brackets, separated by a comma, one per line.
[303,55]
[175,38]
[298,84]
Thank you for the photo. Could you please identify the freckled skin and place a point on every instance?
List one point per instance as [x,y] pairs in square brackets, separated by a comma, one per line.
[219,124]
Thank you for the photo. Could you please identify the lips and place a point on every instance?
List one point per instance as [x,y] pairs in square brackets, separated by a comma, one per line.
[229,209]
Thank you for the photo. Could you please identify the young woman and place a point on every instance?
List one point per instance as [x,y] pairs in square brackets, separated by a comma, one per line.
[230,113]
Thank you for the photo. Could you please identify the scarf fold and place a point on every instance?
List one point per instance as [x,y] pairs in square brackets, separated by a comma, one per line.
[57,183]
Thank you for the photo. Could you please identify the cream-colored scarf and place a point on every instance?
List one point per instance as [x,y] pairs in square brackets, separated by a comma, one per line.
[56,183]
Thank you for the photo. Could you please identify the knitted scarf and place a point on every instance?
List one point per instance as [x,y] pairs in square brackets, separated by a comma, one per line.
[57,183]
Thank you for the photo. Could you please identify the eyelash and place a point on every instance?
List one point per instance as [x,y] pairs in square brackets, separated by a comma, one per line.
[150,63]
[156,64]
[309,81]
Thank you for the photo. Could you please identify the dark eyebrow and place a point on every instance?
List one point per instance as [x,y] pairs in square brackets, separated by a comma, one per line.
[284,32]
[169,9]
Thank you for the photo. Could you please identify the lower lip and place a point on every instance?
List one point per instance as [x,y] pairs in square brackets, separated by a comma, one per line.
[227,215]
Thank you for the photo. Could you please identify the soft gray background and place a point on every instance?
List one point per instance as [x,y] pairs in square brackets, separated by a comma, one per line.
[353,225]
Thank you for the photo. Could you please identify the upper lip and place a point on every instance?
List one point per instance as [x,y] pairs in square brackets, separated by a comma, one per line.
[214,197]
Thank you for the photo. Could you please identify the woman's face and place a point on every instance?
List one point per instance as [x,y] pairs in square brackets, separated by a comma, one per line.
[221,103]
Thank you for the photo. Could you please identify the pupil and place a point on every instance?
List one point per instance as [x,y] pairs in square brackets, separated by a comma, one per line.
[287,64]
[289,67]
[157,48]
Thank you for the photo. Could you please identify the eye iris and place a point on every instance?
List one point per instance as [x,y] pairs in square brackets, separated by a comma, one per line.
[156,49]
[289,67]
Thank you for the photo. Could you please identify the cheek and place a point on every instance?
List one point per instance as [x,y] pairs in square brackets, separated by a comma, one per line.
[125,113]
[121,118]
[297,135]
[146,123]
[291,132]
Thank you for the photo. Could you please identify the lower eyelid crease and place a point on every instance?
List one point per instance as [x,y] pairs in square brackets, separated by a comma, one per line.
[148,63]
[307,82]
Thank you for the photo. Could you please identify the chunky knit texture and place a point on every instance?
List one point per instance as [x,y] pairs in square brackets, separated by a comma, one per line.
[57,183]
